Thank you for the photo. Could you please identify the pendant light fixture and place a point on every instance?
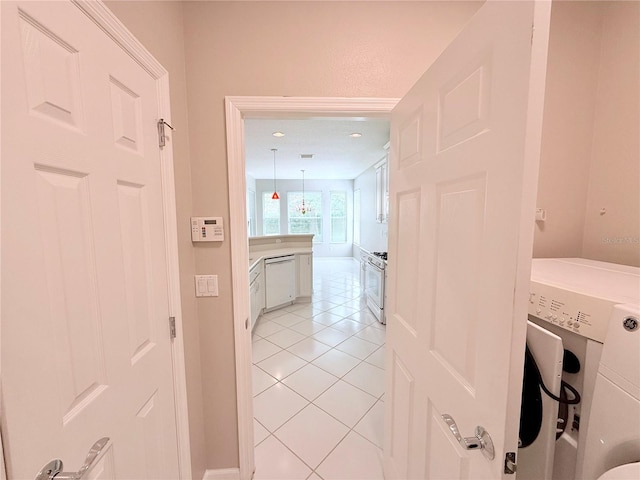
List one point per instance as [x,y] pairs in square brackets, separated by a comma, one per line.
[275,195]
[302,207]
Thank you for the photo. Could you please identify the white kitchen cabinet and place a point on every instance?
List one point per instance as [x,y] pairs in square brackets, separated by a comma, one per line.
[256,292]
[280,281]
[382,188]
[379,214]
[304,266]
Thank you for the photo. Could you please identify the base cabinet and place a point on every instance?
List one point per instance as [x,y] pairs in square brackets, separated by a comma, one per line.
[257,300]
[280,281]
[304,284]
[256,293]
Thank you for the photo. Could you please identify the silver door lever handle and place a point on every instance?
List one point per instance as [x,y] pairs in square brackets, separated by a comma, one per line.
[482,441]
[53,469]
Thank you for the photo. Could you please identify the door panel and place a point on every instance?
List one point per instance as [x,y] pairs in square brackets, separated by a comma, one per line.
[410,139]
[85,346]
[148,438]
[127,117]
[408,222]
[453,464]
[402,395]
[63,201]
[460,237]
[138,284]
[104,467]
[458,232]
[464,105]
[52,73]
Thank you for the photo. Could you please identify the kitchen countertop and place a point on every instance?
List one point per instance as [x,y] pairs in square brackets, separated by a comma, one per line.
[256,257]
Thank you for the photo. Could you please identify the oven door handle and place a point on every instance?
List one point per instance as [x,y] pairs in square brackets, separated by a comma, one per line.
[375,266]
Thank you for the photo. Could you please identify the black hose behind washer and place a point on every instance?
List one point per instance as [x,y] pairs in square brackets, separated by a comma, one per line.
[531,407]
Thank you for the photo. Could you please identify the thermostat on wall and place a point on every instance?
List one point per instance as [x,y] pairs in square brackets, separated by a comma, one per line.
[207,229]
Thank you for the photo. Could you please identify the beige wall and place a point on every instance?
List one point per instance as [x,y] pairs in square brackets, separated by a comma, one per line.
[572,76]
[376,49]
[590,150]
[590,140]
[159,26]
[614,179]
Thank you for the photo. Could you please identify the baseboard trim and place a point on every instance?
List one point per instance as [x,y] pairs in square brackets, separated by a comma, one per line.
[222,474]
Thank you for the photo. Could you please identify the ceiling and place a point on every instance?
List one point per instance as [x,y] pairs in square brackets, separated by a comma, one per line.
[336,155]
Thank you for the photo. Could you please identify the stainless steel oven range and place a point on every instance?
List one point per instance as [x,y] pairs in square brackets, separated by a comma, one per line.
[374,279]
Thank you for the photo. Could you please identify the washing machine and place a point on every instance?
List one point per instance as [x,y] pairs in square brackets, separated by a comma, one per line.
[612,448]
[570,306]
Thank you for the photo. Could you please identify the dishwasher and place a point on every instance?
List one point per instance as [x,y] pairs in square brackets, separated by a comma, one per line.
[280,281]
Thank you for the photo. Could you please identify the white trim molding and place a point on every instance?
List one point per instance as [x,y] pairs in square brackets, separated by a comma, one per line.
[237,109]
[104,18]
[222,474]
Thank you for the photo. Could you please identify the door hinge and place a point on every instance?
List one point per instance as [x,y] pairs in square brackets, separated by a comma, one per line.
[172,327]
[162,138]
[510,466]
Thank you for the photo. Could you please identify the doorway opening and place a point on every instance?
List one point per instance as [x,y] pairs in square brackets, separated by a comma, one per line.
[237,110]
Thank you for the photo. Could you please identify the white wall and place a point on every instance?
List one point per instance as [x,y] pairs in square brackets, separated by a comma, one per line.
[590,155]
[325,248]
[572,74]
[251,183]
[251,205]
[373,235]
[614,176]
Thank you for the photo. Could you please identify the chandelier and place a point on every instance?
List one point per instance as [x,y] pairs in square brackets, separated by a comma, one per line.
[302,207]
[275,195]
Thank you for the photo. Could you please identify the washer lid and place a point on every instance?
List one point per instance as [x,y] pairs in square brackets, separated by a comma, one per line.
[630,471]
[608,281]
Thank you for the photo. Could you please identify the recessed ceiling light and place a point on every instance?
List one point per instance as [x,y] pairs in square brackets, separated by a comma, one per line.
[355,135]
[278,134]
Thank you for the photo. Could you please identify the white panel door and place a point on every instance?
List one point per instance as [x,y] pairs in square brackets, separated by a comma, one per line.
[464,144]
[86,351]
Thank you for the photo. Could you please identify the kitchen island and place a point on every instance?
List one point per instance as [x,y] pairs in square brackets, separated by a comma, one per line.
[280,272]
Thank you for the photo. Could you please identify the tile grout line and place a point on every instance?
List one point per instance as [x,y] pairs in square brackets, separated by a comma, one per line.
[318,366]
[350,429]
[311,402]
[350,303]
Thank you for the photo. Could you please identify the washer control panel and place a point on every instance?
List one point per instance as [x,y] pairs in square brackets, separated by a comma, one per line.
[582,314]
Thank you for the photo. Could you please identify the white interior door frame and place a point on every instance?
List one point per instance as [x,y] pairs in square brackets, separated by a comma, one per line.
[100,14]
[3,468]
[237,109]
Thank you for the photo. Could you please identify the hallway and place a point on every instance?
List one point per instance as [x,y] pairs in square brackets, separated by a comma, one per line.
[318,383]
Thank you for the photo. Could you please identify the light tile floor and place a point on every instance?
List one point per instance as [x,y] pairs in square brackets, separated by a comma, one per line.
[318,383]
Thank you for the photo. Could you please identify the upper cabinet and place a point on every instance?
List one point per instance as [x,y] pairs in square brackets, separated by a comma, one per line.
[382,187]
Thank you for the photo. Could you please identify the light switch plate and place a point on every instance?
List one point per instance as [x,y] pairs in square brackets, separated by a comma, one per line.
[206,285]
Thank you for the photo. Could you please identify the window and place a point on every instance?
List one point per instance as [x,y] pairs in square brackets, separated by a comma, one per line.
[338,213]
[310,222]
[356,217]
[270,215]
